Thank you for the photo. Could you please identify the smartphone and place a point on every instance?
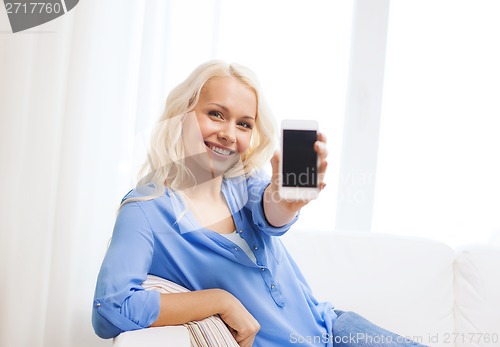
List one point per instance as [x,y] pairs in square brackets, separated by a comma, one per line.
[298,179]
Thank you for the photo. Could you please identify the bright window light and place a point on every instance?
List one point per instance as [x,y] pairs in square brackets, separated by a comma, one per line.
[438,172]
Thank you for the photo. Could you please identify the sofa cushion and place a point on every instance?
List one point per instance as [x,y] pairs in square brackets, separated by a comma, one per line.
[208,332]
[477,296]
[402,284]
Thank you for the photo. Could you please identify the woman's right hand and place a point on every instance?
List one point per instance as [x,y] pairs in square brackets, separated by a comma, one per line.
[241,323]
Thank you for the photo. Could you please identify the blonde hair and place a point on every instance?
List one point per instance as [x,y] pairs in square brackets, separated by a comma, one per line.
[165,163]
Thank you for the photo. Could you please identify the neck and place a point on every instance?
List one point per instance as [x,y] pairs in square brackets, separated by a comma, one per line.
[208,189]
[205,181]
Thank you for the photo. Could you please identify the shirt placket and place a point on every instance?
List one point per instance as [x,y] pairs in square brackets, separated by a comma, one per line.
[259,252]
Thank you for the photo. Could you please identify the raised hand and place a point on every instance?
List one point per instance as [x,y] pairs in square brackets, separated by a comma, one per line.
[280,211]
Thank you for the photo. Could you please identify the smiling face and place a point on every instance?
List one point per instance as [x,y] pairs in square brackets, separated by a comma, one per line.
[225,115]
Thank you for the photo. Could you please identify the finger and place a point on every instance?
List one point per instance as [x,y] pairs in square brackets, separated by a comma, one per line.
[247,342]
[323,165]
[244,340]
[320,148]
[275,160]
[321,137]
[321,174]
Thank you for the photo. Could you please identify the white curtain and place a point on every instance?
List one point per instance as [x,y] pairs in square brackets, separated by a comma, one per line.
[69,101]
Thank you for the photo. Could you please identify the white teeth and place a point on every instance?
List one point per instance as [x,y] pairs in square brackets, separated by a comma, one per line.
[220,150]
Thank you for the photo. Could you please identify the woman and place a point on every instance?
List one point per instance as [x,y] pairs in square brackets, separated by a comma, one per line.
[205,217]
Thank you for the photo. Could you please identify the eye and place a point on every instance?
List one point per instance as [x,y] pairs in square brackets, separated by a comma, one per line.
[215,114]
[245,125]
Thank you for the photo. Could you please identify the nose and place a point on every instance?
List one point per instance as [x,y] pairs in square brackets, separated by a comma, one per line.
[228,133]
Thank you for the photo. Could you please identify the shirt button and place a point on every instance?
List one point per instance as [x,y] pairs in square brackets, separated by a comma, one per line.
[255,247]
[272,286]
[241,231]
[262,269]
[236,249]
[98,304]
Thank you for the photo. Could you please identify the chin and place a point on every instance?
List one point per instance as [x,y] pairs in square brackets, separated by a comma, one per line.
[219,167]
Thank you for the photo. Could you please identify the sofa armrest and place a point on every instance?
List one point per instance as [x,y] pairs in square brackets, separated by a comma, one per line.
[477,304]
[177,336]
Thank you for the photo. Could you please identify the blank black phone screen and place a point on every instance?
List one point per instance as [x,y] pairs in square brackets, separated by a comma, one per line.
[299,158]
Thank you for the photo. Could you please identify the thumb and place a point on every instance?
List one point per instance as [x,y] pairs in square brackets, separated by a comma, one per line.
[275,161]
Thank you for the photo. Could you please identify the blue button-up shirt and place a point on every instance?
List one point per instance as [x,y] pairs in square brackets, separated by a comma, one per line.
[161,237]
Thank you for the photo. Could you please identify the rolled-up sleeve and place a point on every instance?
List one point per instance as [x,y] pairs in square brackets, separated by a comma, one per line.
[256,186]
[120,302]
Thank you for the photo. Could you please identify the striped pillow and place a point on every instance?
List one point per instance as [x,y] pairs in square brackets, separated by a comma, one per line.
[208,332]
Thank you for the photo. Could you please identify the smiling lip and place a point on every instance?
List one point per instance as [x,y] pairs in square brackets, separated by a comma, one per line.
[220,150]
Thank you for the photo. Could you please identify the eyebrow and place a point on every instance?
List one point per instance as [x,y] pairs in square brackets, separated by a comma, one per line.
[226,109]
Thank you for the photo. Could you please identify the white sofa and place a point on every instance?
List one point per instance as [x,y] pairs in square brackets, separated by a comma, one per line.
[416,287]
